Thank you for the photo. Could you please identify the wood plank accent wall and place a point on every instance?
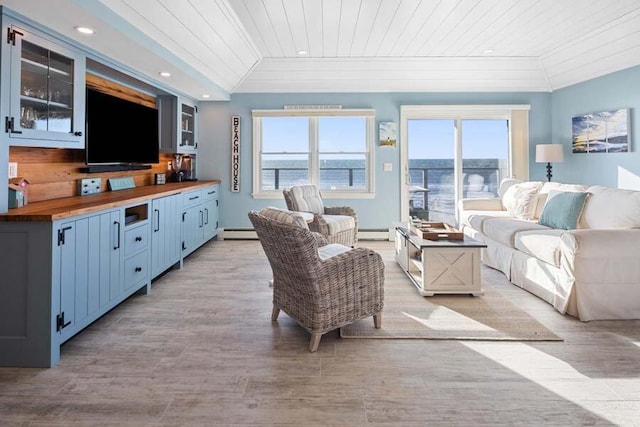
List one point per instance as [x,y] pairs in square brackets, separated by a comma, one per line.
[116,89]
[54,173]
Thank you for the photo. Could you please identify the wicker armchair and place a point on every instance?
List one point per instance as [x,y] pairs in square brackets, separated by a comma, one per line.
[336,224]
[322,286]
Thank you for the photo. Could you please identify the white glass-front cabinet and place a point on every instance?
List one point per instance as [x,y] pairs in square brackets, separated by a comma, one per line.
[47,92]
[178,129]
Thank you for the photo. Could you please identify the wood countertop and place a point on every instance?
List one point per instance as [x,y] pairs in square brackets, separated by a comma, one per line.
[52,210]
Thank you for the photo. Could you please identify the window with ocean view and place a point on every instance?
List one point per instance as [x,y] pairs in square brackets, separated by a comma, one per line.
[454,152]
[332,149]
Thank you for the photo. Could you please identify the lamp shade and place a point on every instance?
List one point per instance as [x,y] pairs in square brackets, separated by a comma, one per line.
[549,153]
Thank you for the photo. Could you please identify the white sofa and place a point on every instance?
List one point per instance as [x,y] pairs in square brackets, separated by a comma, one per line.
[591,272]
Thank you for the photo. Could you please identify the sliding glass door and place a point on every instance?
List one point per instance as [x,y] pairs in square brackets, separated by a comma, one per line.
[451,159]
[485,156]
[431,168]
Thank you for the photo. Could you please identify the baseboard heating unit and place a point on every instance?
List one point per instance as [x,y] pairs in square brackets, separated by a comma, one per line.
[250,234]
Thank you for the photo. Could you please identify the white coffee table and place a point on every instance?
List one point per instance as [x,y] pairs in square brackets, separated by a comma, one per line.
[440,266]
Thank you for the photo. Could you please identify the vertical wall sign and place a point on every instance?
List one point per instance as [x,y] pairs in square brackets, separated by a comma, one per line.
[235,154]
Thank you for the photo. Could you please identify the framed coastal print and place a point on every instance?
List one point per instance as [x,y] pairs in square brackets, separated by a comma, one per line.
[604,132]
[388,134]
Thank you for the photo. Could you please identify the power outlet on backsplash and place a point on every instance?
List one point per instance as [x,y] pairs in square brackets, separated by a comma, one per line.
[13,170]
[89,186]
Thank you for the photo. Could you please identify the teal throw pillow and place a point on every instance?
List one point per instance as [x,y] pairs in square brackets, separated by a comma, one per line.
[563,209]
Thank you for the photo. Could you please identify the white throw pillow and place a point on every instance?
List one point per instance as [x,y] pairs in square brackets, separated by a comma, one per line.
[505,184]
[520,200]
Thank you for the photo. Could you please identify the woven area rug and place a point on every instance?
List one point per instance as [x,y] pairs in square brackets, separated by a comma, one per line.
[406,314]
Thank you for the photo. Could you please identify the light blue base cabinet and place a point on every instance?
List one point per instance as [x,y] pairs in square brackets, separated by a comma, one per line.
[165,233]
[63,275]
[199,217]
[57,277]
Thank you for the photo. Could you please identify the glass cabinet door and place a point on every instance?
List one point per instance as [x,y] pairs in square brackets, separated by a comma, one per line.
[46,90]
[188,127]
[47,102]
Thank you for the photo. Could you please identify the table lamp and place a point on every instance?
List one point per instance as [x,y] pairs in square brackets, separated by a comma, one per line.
[549,153]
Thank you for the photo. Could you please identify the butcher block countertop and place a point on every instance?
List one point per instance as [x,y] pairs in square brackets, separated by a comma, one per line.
[52,210]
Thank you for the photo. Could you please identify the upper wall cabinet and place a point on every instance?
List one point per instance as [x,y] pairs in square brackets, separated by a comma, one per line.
[46,93]
[178,129]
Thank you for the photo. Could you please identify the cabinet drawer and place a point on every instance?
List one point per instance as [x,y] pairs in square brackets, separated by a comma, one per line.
[192,198]
[136,239]
[136,269]
[210,193]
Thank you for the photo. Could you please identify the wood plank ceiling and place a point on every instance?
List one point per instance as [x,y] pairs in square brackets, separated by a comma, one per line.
[225,46]
[414,45]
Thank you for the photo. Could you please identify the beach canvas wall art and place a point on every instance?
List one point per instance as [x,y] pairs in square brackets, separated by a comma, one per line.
[388,134]
[604,132]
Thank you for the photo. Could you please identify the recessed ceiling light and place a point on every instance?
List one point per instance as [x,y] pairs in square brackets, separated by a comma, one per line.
[206,95]
[303,52]
[84,30]
[488,51]
[165,73]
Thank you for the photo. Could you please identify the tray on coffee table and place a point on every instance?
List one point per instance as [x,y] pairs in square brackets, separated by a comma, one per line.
[429,230]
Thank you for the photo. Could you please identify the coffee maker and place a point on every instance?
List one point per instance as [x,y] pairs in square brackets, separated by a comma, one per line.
[184,167]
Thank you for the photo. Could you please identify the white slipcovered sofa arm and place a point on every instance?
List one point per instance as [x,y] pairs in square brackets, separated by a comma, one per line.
[597,244]
[481,205]
[604,265]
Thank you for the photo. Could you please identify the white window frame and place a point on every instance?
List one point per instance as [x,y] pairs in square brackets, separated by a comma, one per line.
[314,173]
[518,121]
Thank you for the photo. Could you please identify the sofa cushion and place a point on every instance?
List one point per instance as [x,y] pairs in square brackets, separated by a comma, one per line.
[563,209]
[549,186]
[285,216]
[503,230]
[338,223]
[611,208]
[520,199]
[476,219]
[541,244]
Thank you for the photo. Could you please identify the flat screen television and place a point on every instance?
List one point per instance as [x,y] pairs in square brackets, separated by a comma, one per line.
[120,131]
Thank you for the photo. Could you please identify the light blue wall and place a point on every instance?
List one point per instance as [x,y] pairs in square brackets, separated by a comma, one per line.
[610,92]
[214,156]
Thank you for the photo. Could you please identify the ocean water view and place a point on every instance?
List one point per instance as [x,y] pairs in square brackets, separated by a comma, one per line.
[480,179]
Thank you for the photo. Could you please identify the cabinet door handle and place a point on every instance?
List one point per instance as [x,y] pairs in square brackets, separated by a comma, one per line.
[9,126]
[61,235]
[212,192]
[138,269]
[138,238]
[77,133]
[60,323]
[201,219]
[117,245]
[194,197]
[206,211]
[157,211]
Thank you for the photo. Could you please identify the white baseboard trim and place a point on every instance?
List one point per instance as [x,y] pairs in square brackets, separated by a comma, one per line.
[249,234]
[237,234]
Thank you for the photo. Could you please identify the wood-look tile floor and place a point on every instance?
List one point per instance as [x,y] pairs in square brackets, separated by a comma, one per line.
[201,351]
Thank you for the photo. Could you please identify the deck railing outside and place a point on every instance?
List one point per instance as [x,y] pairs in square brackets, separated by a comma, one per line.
[431,191]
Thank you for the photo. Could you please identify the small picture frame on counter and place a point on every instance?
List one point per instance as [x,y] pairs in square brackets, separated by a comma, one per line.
[160,178]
